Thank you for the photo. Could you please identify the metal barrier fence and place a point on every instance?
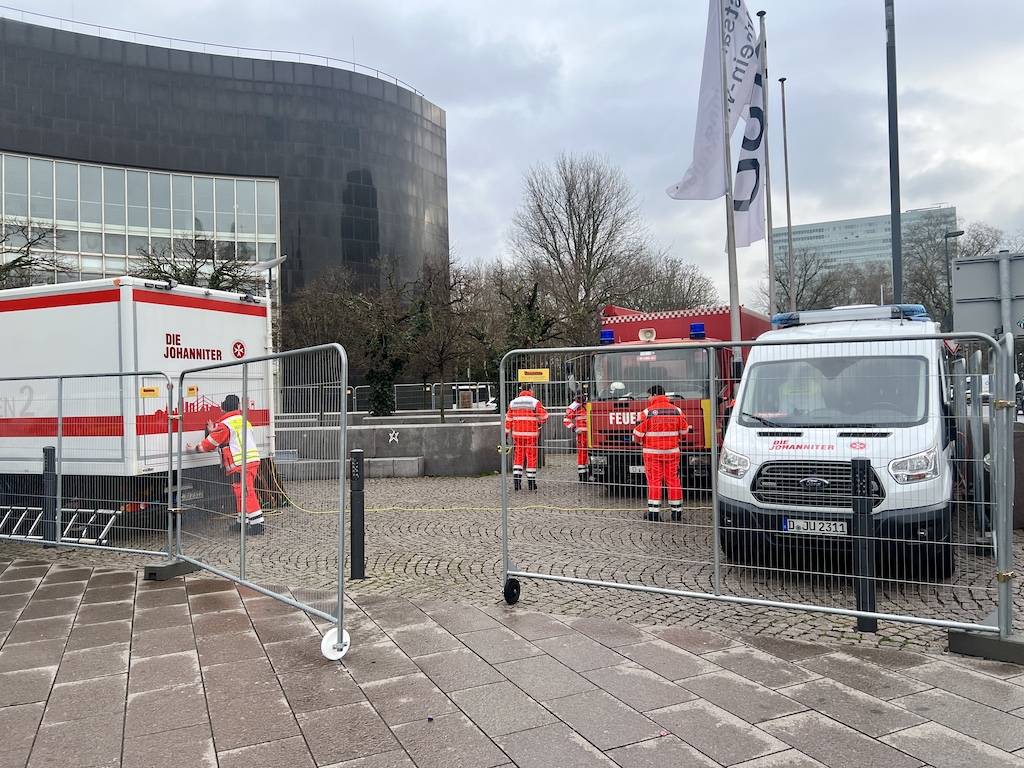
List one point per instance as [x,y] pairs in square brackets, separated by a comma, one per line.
[857,480]
[326,401]
[103,461]
[292,545]
[85,460]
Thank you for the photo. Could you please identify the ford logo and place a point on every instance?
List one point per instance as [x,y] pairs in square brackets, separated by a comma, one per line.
[814,483]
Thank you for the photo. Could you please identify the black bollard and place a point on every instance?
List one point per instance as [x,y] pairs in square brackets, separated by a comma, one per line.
[49,501]
[863,544]
[357,533]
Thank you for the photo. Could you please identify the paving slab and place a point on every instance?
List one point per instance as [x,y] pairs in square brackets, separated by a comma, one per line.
[836,745]
[637,686]
[199,671]
[714,732]
[992,726]
[942,747]
[502,708]
[744,698]
[976,686]
[864,676]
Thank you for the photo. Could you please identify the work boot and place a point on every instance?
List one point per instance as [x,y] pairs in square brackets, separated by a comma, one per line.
[583,475]
[531,483]
[677,512]
[517,483]
[653,513]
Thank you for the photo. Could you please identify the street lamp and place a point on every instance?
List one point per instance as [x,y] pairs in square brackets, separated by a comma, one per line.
[949,283]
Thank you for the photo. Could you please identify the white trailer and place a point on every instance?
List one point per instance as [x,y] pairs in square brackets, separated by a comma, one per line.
[72,354]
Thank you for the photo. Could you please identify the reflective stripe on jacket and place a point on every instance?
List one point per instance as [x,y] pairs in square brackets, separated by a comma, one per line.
[228,433]
[661,427]
[524,416]
[576,417]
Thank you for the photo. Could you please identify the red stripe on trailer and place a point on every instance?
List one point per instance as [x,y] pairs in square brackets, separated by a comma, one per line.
[72,426]
[167,298]
[61,300]
[195,421]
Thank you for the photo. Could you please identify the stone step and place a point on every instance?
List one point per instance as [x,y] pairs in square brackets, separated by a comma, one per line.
[322,469]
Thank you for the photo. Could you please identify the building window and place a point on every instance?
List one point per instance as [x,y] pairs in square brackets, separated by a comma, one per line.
[106,215]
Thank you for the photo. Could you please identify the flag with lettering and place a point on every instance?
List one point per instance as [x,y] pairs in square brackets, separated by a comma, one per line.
[748,189]
[732,27]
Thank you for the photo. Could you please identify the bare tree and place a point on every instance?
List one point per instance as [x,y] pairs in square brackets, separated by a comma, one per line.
[442,318]
[200,262]
[579,234]
[817,284]
[372,322]
[870,283]
[671,283]
[29,253]
[321,312]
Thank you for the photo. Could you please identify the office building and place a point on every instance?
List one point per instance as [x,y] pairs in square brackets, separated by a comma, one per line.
[124,145]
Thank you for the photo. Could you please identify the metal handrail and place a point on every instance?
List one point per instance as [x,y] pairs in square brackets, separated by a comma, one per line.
[177,43]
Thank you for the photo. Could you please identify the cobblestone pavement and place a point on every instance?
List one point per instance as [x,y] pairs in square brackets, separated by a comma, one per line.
[442,538]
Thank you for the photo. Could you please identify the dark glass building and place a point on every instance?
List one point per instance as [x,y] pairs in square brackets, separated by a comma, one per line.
[122,145]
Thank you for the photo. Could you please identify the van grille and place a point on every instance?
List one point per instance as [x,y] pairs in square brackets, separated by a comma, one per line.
[810,484]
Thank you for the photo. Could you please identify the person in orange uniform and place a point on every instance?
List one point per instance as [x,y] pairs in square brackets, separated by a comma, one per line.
[576,420]
[523,421]
[227,434]
[660,430]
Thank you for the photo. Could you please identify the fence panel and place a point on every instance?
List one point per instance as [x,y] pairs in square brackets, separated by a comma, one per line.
[297,553]
[913,535]
[85,460]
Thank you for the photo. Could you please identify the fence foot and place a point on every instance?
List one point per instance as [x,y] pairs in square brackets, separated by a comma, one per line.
[987,646]
[168,570]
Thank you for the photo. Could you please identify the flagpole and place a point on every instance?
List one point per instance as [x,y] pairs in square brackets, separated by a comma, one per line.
[789,208]
[730,217]
[772,309]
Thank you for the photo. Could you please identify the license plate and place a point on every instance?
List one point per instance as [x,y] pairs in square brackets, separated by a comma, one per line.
[824,527]
[635,470]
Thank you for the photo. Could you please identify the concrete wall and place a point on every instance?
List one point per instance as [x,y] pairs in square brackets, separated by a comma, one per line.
[447,450]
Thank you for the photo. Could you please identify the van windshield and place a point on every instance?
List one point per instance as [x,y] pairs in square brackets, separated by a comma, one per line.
[835,391]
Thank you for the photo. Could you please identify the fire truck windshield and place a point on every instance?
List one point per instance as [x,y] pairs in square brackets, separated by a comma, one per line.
[630,373]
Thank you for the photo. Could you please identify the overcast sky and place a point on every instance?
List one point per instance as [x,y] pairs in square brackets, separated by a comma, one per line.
[521,82]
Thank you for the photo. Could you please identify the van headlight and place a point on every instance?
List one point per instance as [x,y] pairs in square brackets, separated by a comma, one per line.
[732,463]
[914,469]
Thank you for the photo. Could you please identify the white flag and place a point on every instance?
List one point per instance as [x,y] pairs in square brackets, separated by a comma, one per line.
[705,179]
[748,190]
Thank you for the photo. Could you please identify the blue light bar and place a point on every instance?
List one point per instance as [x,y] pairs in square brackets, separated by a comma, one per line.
[607,336]
[915,312]
[697,331]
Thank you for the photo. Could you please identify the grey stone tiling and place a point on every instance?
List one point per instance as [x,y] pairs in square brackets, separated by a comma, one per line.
[98,667]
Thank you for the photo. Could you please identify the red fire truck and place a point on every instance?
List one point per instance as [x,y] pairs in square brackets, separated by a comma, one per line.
[645,348]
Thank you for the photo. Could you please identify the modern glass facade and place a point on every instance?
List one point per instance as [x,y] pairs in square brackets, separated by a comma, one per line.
[359,162]
[104,215]
[854,241]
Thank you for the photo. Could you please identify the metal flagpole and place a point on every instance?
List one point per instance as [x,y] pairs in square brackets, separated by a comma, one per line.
[772,308]
[896,225]
[730,217]
[789,208]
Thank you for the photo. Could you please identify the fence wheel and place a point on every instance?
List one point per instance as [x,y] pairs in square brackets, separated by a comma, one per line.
[511,591]
[330,640]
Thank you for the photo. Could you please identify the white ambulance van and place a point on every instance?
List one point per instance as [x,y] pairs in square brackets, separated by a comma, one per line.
[851,382]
